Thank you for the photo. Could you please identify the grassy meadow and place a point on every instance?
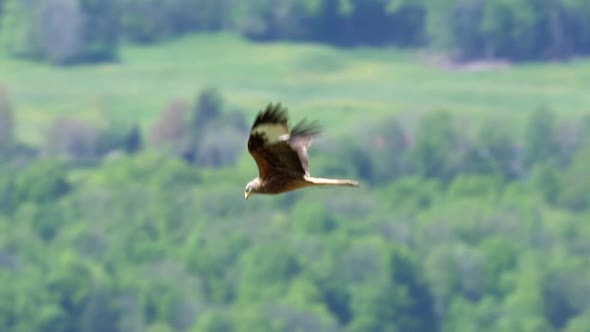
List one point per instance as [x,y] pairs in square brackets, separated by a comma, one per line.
[315,81]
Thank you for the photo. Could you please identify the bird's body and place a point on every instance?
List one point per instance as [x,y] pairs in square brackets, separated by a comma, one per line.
[281,154]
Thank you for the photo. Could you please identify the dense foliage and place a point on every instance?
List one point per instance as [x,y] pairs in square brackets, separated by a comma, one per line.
[60,31]
[67,31]
[452,230]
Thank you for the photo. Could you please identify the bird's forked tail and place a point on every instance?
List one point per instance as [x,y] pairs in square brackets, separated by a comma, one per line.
[332,182]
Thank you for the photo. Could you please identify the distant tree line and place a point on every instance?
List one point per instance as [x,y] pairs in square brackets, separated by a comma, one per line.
[71,31]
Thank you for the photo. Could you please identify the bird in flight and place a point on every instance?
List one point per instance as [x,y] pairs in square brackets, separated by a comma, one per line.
[281,154]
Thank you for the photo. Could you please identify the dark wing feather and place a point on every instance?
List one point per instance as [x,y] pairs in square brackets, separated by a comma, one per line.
[272,114]
[257,142]
[283,157]
[258,152]
[284,160]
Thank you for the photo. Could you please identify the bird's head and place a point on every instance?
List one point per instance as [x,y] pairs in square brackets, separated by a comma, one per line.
[251,188]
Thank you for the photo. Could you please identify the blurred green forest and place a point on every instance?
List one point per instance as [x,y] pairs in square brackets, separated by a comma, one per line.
[112,229]
[123,161]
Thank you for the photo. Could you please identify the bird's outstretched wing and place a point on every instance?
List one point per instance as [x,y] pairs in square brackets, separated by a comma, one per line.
[276,150]
[300,140]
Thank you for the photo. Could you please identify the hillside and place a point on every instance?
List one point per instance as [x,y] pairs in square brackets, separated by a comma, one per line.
[472,213]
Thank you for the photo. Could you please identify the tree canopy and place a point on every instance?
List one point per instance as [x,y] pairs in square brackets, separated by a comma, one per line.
[491,235]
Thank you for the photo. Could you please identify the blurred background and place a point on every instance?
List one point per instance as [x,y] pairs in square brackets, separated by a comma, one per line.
[123,160]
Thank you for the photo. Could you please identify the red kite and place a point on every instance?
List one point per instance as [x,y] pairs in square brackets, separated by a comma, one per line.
[281,154]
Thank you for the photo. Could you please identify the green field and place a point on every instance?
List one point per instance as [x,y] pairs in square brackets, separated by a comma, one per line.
[317,81]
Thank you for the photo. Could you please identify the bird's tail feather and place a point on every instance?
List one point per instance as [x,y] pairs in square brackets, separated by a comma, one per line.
[332,182]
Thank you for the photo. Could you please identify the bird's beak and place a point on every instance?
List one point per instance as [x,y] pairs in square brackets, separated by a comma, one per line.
[247,194]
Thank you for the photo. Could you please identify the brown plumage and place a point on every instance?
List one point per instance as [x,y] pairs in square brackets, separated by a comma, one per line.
[281,154]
